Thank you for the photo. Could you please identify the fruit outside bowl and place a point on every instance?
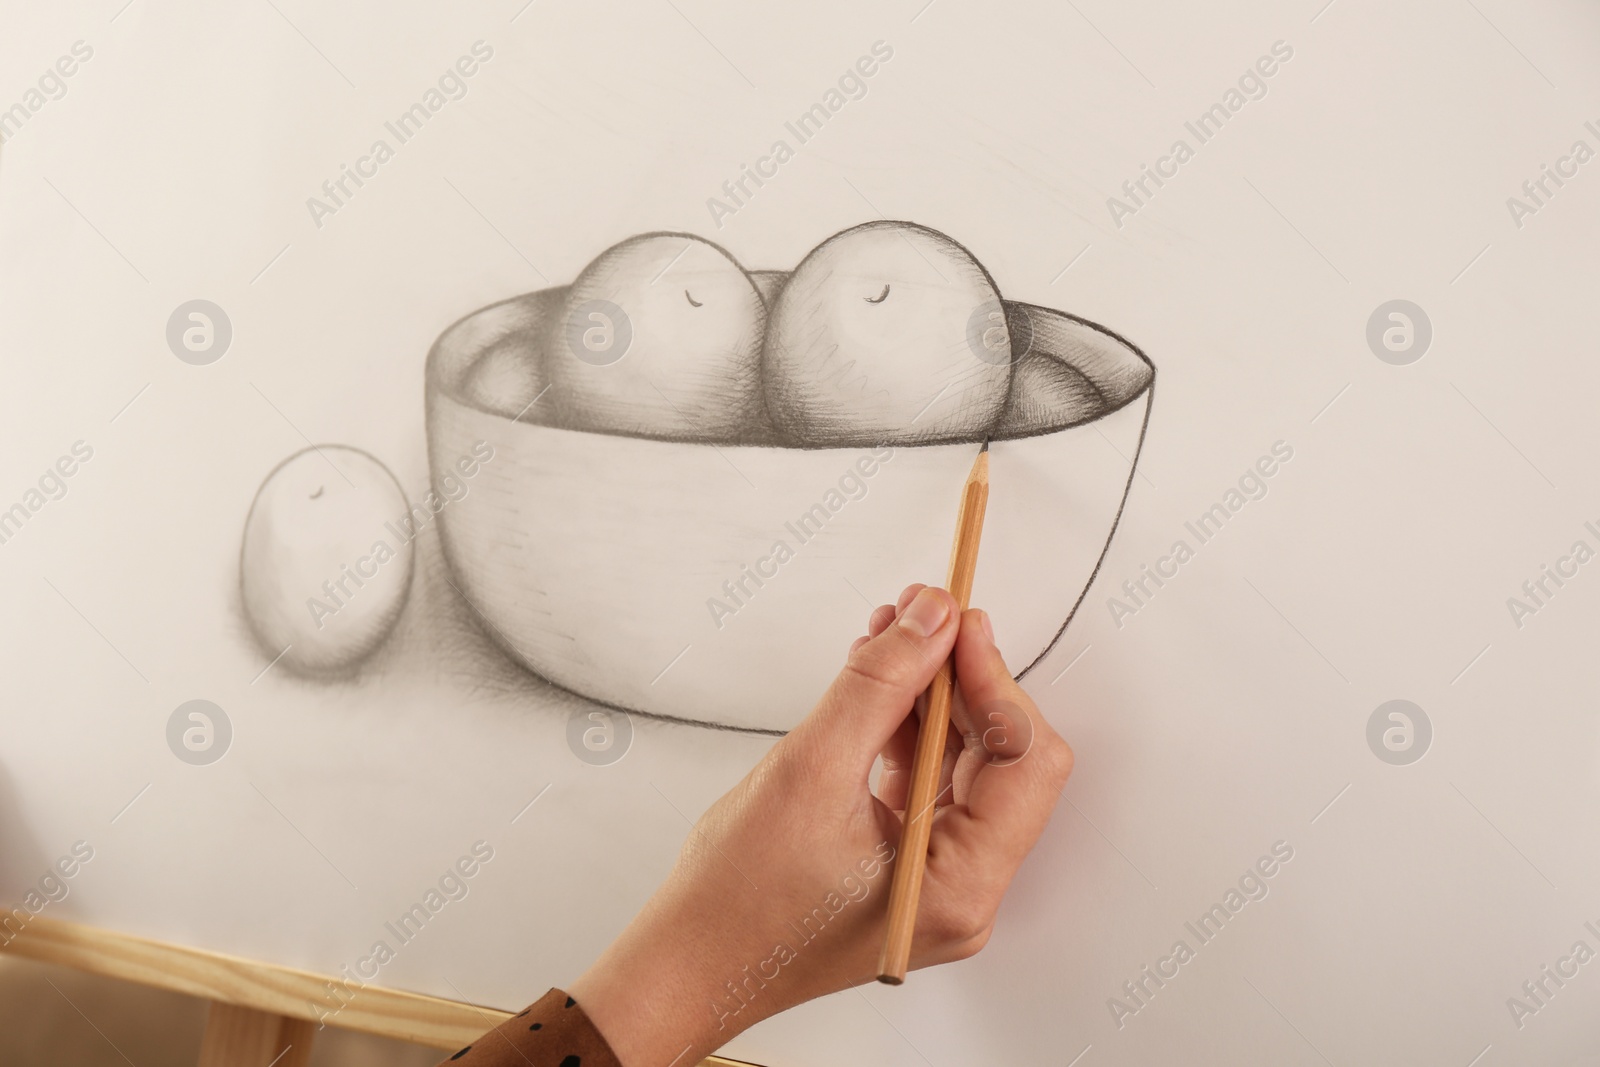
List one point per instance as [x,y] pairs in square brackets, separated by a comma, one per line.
[595,559]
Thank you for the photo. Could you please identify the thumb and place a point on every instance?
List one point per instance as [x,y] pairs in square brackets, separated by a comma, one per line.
[881,680]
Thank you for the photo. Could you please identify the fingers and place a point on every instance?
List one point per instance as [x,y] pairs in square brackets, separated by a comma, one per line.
[898,754]
[885,614]
[968,729]
[880,619]
[965,750]
[1012,769]
[895,780]
[871,697]
[899,759]
[1024,762]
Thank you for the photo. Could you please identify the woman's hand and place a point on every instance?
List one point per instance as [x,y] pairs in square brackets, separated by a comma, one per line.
[781,891]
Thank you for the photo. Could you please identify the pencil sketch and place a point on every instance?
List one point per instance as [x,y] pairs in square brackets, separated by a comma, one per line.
[674,459]
[320,582]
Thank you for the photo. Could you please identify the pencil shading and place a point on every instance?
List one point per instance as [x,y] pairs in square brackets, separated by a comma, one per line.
[725,451]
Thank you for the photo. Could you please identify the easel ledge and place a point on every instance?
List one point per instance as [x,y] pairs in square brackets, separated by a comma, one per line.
[259,1010]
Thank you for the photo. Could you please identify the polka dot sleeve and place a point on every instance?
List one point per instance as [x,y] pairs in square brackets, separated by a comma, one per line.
[553,1032]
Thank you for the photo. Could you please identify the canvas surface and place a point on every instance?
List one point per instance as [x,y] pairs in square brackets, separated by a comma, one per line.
[1356,243]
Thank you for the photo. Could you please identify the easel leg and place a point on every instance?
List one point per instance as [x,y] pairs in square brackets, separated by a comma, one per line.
[244,1037]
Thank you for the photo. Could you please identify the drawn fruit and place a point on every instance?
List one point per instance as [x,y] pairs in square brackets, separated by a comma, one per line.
[322,578]
[872,339]
[659,336]
[769,283]
[1049,392]
[505,380]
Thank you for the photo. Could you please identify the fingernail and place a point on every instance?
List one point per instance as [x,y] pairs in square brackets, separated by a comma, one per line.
[925,614]
[988,627]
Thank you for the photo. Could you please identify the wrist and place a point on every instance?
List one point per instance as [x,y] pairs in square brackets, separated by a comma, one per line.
[653,994]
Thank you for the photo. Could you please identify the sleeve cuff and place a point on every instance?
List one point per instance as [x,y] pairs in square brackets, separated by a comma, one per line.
[552,1032]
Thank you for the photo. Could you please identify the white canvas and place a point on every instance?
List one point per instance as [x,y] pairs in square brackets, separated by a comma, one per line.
[1397,550]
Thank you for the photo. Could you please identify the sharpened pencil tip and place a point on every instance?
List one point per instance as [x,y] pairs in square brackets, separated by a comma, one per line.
[985,447]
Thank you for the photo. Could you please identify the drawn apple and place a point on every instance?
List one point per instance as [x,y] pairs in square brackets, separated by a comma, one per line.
[505,379]
[881,335]
[325,568]
[770,283]
[1049,392]
[659,336]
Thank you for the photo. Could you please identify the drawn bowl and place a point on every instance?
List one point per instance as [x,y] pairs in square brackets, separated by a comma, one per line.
[721,583]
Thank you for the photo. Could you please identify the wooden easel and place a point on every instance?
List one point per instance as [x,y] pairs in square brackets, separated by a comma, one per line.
[260,1013]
